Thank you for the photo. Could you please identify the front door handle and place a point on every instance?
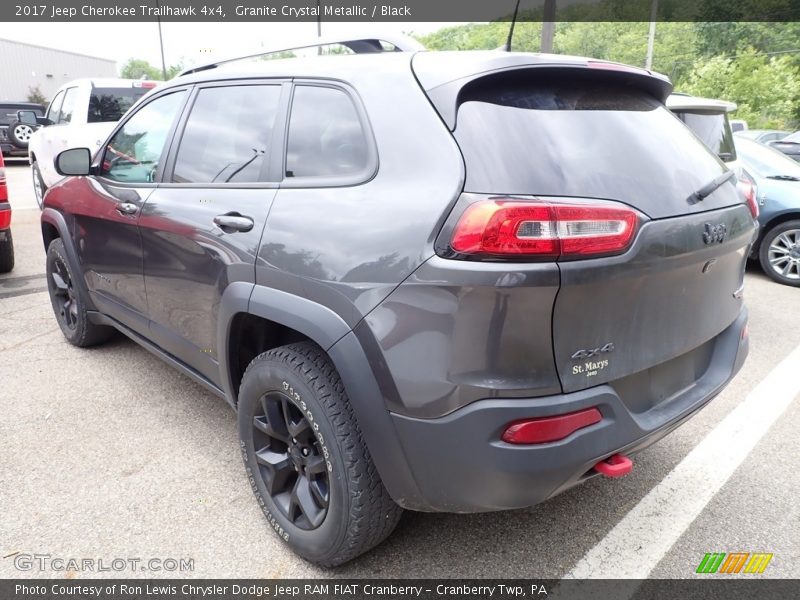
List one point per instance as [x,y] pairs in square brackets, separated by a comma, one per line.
[127,208]
[233,222]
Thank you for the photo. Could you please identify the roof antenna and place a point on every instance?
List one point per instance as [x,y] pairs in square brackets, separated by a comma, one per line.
[511,30]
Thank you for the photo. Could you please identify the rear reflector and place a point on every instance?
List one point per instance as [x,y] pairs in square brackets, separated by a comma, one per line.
[5,217]
[503,227]
[550,429]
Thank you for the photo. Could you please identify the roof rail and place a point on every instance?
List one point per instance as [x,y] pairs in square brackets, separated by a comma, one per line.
[367,44]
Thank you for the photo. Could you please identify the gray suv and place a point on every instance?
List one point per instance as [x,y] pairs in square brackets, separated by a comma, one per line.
[452,282]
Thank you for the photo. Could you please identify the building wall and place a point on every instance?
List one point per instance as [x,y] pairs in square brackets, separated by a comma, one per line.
[26,65]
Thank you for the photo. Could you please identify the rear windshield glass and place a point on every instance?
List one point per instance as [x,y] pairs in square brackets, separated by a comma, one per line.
[580,138]
[713,129]
[109,104]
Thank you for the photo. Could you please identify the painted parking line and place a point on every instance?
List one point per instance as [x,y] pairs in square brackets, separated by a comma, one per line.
[643,537]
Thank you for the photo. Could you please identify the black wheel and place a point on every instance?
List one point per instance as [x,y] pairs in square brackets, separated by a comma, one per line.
[67,304]
[39,188]
[20,134]
[306,459]
[6,252]
[779,253]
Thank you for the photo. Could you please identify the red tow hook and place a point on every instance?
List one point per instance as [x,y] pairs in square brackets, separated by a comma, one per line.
[615,466]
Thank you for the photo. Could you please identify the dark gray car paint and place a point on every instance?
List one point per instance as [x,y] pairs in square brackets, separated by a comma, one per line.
[353,267]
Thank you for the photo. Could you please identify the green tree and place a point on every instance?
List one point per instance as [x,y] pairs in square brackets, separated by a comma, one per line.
[35,95]
[136,68]
[766,89]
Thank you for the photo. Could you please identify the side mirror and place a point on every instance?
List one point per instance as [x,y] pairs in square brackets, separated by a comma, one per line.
[75,161]
[28,117]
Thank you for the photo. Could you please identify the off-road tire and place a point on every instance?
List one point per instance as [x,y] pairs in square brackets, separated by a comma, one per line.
[360,513]
[76,327]
[6,253]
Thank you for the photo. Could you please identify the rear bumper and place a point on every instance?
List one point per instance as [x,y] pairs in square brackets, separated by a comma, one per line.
[460,464]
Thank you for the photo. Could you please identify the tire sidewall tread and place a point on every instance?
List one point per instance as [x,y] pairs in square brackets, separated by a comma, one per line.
[360,514]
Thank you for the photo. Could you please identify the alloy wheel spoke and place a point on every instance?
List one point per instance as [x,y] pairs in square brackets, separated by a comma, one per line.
[315,465]
[275,425]
[303,500]
[59,281]
[278,470]
[320,494]
[299,429]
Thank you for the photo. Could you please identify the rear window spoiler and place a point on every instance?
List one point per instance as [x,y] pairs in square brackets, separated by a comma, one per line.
[446,96]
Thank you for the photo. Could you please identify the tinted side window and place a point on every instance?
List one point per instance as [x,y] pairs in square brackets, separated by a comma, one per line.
[134,152]
[228,135]
[326,138]
[54,110]
[70,98]
[109,104]
[714,130]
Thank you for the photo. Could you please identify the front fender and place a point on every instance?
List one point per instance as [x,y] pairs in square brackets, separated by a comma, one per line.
[52,217]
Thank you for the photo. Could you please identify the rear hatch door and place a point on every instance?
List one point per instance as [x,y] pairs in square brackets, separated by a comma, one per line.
[583,133]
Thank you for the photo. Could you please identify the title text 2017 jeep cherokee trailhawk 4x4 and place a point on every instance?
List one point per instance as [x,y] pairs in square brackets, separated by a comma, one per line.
[438,281]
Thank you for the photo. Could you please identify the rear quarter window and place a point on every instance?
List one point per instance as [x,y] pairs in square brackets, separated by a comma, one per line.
[327,138]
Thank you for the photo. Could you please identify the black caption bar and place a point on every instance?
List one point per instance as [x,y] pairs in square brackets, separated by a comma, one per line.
[426,589]
[396,10]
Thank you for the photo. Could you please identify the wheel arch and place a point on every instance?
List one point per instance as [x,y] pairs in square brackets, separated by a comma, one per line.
[293,318]
[54,226]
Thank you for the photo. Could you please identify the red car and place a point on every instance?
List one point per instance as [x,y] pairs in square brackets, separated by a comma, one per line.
[6,244]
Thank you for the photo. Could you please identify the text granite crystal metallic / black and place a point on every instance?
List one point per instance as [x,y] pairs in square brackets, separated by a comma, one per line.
[454,281]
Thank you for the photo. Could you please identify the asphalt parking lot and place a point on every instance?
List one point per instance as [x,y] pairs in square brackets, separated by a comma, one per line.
[109,453]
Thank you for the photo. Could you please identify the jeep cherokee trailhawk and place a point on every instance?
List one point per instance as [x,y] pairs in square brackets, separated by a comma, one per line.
[455,281]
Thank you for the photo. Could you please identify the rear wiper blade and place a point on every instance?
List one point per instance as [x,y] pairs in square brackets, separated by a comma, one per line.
[784,177]
[710,187]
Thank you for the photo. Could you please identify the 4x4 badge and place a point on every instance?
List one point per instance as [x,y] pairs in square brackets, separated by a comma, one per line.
[581,354]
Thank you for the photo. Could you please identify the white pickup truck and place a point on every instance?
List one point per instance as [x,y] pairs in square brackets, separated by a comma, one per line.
[81,115]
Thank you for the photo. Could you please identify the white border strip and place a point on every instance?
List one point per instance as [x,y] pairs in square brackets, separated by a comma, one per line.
[634,547]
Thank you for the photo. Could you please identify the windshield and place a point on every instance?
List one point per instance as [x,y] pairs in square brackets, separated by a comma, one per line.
[593,139]
[765,161]
[109,104]
[713,129]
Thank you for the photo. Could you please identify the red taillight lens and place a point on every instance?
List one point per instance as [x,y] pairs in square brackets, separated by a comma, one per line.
[748,187]
[498,227]
[3,187]
[5,218]
[550,429]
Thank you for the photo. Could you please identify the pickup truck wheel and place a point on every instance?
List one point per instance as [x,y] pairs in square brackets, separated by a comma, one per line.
[39,188]
[6,252]
[779,253]
[306,459]
[20,134]
[67,303]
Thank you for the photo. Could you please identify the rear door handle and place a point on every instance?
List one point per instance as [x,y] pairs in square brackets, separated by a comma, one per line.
[233,222]
[127,208]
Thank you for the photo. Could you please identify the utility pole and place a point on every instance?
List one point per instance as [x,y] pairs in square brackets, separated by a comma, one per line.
[651,38]
[548,26]
[161,41]
[319,27]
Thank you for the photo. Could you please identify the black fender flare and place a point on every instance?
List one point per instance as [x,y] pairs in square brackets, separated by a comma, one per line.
[57,220]
[328,330]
